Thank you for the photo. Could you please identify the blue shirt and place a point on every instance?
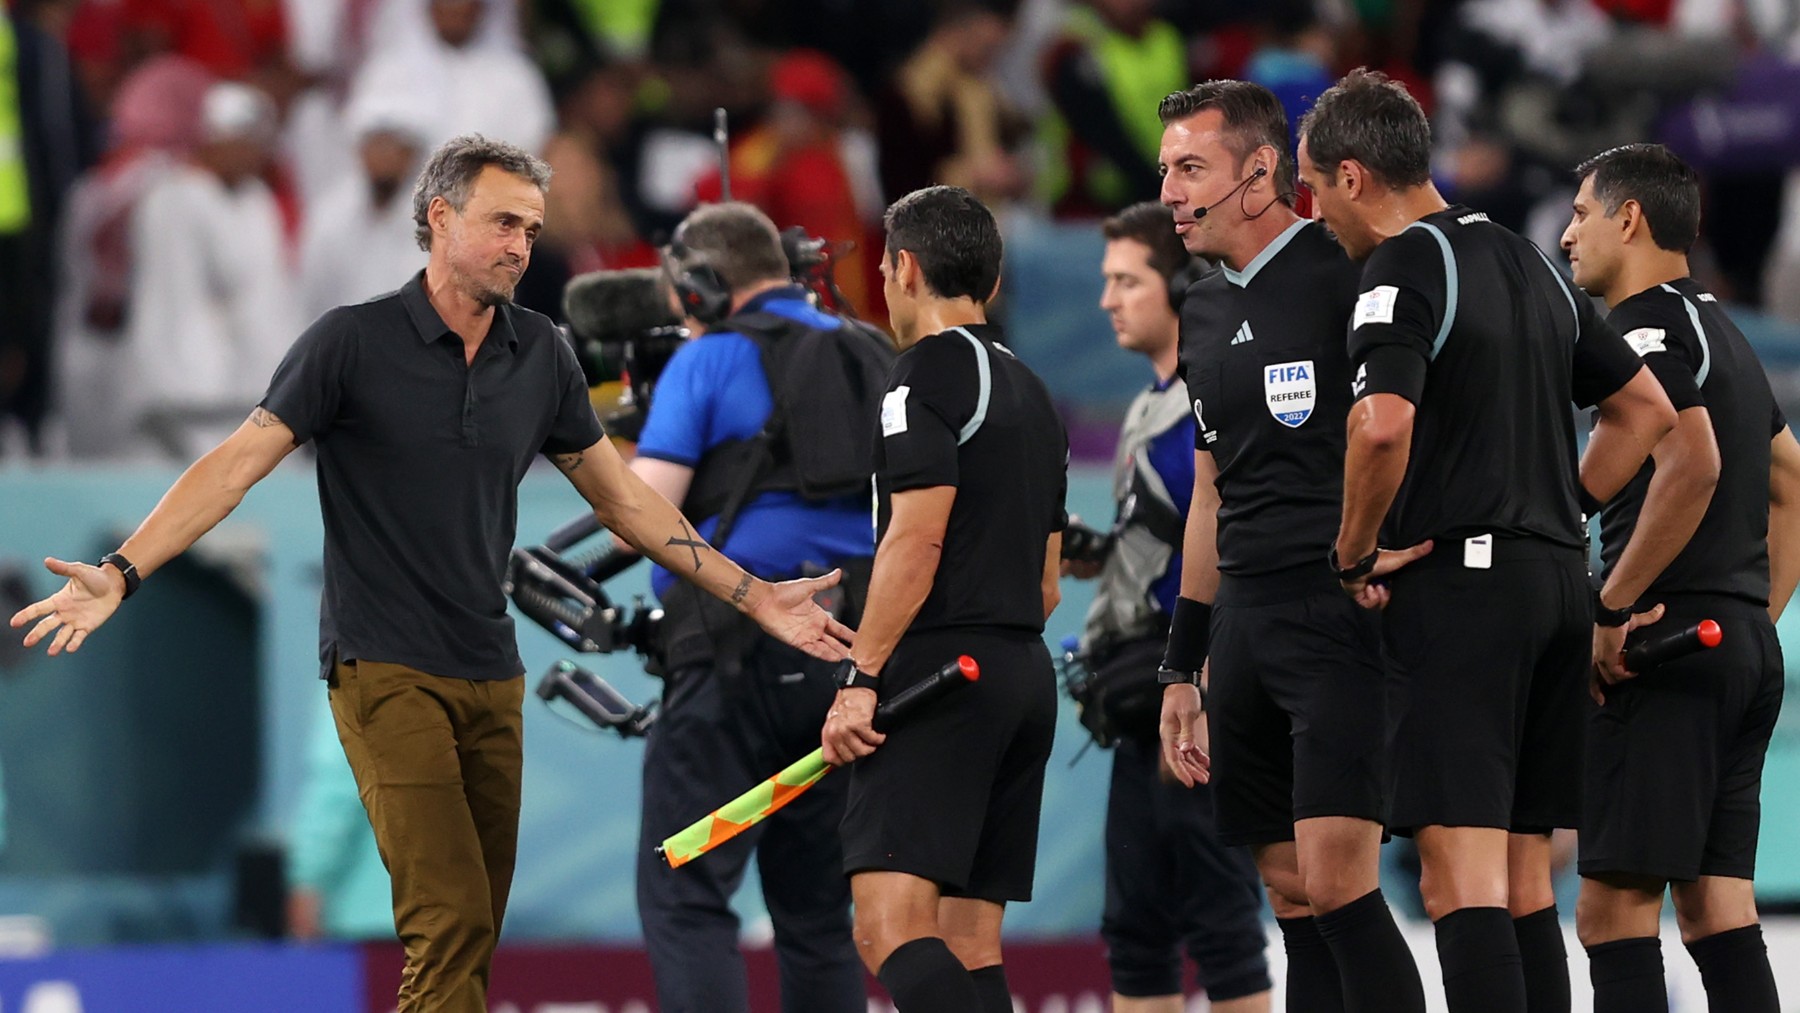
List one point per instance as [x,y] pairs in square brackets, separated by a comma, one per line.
[1171,454]
[713,391]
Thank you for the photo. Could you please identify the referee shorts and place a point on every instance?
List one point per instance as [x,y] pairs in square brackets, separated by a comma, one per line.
[954,794]
[1675,757]
[1493,665]
[1296,706]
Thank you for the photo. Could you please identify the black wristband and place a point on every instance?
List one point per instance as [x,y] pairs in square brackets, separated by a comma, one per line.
[1190,634]
[848,676]
[1356,571]
[127,569]
[1590,507]
[1609,618]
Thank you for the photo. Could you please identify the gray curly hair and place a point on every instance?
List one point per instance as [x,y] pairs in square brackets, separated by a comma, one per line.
[452,170]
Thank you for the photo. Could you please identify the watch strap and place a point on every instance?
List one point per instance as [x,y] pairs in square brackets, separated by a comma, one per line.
[126,568]
[1355,571]
[848,676]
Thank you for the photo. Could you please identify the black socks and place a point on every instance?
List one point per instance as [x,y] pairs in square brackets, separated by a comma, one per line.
[1480,956]
[1545,960]
[923,976]
[1374,964]
[1628,976]
[1312,972]
[1734,966]
[990,987]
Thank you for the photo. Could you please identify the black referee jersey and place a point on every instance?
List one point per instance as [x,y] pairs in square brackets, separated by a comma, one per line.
[1262,352]
[962,410]
[1702,359]
[1475,326]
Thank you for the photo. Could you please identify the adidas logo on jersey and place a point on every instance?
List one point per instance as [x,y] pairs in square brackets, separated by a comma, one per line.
[1243,335]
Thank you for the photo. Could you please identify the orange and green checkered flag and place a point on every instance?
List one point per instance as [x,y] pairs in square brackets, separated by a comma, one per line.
[757,804]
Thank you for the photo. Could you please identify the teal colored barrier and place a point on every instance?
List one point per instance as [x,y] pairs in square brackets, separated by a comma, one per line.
[70,727]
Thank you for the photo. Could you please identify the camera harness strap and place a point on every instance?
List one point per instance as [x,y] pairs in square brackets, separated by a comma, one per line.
[1149,528]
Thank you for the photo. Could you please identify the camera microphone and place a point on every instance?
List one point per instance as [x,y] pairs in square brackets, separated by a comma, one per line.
[1200,213]
[612,306]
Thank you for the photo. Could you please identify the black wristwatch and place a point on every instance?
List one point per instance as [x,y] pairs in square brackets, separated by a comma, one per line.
[1610,618]
[1356,571]
[1173,677]
[126,568]
[848,676]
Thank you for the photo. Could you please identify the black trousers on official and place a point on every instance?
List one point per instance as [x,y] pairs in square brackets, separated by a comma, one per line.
[718,736]
[1170,885]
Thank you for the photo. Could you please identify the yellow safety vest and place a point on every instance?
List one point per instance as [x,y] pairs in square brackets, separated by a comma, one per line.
[1138,72]
[625,25]
[15,189]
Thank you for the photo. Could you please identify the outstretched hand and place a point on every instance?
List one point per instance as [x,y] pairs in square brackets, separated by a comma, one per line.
[87,600]
[787,611]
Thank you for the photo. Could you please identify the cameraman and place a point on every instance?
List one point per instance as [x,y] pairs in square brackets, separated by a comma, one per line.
[739,705]
[1170,883]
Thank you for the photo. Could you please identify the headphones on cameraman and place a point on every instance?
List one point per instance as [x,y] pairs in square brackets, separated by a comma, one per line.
[1185,276]
[702,290]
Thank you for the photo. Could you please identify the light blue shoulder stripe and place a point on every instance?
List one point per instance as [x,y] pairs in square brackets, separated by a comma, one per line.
[1450,284]
[1699,332]
[1563,284]
[1242,278]
[985,385]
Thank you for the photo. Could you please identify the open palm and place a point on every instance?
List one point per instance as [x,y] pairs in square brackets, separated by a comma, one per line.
[789,613]
[87,600]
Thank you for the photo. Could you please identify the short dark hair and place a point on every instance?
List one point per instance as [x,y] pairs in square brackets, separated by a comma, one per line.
[1150,223]
[733,238]
[953,235]
[452,171]
[1667,188]
[1368,118]
[1253,118]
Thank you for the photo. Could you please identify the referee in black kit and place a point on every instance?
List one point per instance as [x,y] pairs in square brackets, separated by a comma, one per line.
[941,826]
[1468,346]
[1675,756]
[1297,716]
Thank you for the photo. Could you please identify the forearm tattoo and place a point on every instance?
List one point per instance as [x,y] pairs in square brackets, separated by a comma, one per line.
[742,589]
[693,545]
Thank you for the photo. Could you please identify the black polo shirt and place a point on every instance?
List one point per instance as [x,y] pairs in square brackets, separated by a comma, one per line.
[1262,351]
[1703,360]
[420,459]
[1476,327]
[961,410]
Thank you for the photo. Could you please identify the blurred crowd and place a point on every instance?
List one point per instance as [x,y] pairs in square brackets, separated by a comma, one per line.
[185,184]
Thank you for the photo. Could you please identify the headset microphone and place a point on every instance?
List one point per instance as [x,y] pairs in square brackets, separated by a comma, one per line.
[1200,213]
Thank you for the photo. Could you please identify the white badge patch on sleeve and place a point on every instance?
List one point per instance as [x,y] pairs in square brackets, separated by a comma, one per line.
[893,411]
[1376,306]
[1645,340]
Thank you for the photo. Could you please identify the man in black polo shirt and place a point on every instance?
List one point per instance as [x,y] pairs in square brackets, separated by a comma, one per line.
[1468,346]
[1296,715]
[427,406]
[1675,755]
[941,827]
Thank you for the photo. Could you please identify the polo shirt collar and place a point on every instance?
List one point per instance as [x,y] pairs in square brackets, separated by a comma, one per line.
[431,326]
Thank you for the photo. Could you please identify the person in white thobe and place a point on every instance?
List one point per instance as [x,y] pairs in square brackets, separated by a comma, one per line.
[212,306]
